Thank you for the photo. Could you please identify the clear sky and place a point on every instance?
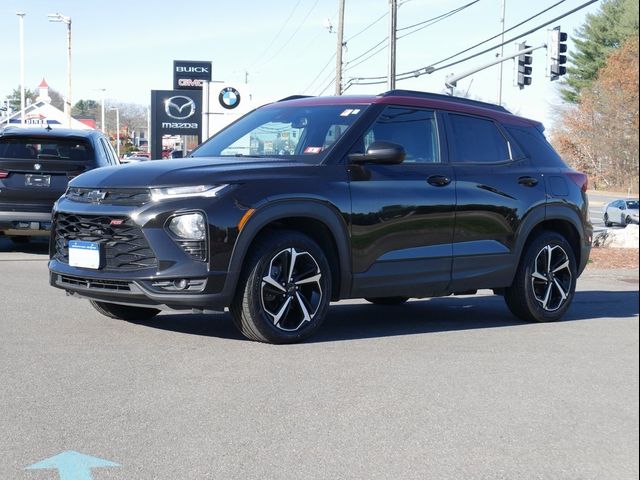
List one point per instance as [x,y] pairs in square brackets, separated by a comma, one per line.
[128,47]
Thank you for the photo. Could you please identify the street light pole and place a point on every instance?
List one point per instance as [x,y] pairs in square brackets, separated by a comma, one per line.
[57,17]
[340,47]
[503,2]
[22,99]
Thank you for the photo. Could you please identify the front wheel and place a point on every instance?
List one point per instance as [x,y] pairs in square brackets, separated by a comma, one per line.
[124,312]
[545,282]
[628,220]
[607,223]
[284,290]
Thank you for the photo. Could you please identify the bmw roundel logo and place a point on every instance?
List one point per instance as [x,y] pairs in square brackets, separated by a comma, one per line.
[229,98]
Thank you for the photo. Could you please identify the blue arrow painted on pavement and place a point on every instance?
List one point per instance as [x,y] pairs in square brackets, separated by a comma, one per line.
[72,465]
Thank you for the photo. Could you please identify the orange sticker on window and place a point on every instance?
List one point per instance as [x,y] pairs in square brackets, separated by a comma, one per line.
[313,150]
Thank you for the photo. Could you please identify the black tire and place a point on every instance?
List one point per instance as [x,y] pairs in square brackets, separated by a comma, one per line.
[289,313]
[627,221]
[607,223]
[531,297]
[387,300]
[124,312]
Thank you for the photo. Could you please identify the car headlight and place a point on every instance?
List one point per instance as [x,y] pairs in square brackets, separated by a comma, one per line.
[185,192]
[190,226]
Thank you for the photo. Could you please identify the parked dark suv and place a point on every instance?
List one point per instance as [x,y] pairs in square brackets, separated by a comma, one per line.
[35,167]
[308,200]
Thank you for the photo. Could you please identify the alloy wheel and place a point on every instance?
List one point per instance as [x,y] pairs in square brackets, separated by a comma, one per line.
[291,292]
[551,278]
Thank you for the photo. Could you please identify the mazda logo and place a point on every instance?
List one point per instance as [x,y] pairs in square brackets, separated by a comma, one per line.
[180,107]
[37,166]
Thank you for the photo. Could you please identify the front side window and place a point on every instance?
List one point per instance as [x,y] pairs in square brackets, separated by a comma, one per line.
[476,140]
[413,128]
[295,132]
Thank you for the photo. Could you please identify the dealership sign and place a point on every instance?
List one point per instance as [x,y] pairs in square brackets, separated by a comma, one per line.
[190,75]
[174,112]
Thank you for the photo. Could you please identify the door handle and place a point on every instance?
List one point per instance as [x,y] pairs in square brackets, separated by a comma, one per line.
[438,180]
[528,181]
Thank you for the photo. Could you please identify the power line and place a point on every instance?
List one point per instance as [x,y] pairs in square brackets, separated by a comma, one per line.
[320,72]
[367,27]
[284,25]
[434,18]
[424,24]
[431,68]
[499,34]
[295,31]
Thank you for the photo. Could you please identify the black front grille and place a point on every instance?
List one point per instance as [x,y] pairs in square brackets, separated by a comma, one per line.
[109,196]
[93,284]
[123,245]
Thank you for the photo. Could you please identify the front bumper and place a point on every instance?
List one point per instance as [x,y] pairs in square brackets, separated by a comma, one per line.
[142,292]
[150,285]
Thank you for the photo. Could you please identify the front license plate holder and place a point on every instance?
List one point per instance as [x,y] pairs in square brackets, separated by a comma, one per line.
[85,254]
[33,180]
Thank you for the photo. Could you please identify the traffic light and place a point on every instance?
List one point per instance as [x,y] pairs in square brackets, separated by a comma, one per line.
[524,66]
[557,50]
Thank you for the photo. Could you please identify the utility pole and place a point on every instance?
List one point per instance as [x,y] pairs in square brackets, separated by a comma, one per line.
[393,24]
[502,2]
[22,99]
[340,47]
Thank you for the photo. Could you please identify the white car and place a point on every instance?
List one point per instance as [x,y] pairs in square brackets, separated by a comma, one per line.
[622,212]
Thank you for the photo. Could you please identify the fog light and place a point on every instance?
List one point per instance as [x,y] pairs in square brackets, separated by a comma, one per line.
[190,226]
[181,284]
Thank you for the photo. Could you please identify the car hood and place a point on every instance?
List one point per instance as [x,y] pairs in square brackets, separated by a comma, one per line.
[185,171]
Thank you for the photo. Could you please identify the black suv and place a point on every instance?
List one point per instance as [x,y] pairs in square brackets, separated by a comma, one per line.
[309,200]
[35,167]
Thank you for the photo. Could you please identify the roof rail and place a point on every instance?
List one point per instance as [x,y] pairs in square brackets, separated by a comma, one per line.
[447,98]
[294,97]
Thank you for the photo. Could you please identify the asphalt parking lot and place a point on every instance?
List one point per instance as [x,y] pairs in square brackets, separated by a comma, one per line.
[447,388]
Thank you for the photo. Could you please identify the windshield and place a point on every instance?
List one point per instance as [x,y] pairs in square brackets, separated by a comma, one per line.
[632,204]
[26,148]
[304,133]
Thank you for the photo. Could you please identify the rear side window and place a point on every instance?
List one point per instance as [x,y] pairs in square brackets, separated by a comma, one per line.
[535,145]
[26,148]
[413,128]
[476,140]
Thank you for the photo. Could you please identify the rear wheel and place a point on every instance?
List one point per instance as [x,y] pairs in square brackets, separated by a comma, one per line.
[627,220]
[124,312]
[387,300]
[284,290]
[545,282]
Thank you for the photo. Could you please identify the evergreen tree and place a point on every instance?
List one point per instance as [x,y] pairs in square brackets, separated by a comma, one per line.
[14,98]
[601,33]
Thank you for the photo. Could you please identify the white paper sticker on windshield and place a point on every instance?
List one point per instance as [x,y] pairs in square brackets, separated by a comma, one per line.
[347,112]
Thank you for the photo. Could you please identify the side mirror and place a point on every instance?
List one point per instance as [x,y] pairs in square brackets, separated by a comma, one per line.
[384,153]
